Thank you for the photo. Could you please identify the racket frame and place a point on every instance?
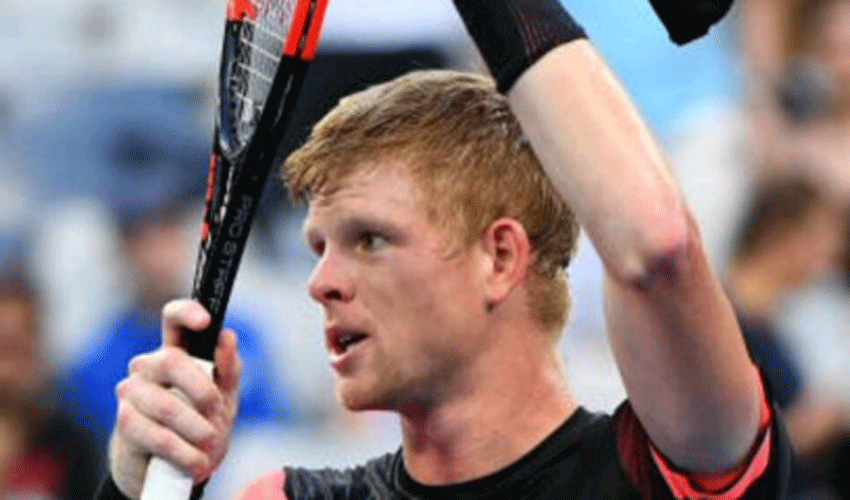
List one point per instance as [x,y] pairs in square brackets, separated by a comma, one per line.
[238,173]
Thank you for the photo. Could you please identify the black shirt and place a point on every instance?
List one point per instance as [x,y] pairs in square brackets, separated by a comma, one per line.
[591,456]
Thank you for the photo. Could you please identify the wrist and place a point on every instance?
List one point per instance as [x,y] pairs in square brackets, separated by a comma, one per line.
[513,34]
[126,468]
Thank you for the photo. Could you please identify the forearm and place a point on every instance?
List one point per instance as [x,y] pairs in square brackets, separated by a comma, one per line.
[674,333]
[602,159]
[685,366]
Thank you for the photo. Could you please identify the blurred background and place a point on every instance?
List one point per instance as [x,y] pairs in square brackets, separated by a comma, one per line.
[106,114]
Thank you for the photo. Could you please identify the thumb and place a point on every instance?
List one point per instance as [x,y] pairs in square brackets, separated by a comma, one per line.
[179,316]
[228,364]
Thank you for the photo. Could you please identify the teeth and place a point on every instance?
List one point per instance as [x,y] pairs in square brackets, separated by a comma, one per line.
[346,339]
[349,338]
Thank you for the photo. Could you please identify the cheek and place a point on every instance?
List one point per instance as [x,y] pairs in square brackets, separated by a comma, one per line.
[446,311]
[418,304]
[404,300]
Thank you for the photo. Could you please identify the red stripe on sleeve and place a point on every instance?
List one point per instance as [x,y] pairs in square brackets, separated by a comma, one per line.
[727,485]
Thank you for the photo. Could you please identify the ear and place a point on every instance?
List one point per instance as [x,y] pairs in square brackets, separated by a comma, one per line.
[508,249]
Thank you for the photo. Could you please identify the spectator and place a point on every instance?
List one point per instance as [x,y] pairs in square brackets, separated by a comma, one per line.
[799,58]
[790,237]
[157,251]
[43,453]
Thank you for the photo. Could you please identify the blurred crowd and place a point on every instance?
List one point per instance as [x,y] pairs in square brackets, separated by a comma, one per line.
[106,120]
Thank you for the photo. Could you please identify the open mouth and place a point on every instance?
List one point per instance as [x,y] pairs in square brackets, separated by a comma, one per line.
[342,342]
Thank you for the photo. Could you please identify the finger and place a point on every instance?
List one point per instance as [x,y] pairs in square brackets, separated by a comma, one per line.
[169,409]
[138,362]
[172,367]
[152,437]
[228,363]
[179,315]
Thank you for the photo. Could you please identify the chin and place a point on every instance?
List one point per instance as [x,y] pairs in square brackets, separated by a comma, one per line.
[356,398]
[353,398]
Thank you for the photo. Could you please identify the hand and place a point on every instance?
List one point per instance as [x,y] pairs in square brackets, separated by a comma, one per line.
[168,405]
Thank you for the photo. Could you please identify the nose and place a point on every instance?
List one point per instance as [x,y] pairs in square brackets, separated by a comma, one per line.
[330,280]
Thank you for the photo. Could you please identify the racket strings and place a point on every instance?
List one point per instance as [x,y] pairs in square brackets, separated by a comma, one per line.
[259,45]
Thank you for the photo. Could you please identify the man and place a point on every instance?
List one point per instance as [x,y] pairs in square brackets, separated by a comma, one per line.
[153,242]
[442,242]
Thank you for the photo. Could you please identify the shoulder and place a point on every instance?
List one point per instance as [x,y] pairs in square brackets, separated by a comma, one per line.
[92,372]
[267,487]
[372,480]
[586,442]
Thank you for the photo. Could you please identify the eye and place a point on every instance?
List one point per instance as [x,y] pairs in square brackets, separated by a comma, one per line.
[369,241]
[317,246]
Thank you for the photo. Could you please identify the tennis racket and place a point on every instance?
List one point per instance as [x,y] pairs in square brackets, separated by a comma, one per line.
[268,45]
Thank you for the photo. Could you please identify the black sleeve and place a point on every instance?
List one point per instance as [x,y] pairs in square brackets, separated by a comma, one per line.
[687,20]
[377,478]
[635,459]
[108,491]
[85,462]
[326,484]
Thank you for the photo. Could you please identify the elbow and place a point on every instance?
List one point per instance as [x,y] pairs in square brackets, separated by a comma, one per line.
[662,252]
[664,264]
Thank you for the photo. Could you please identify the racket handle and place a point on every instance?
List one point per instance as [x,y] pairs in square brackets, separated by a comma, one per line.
[165,481]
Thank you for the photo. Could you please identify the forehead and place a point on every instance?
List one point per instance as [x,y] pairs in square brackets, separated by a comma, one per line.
[382,190]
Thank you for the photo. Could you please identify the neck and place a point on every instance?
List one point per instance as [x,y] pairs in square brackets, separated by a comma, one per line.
[513,406]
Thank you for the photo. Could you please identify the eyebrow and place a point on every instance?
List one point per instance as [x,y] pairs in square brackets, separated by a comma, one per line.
[358,222]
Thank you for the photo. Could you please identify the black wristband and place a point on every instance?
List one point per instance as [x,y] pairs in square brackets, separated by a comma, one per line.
[689,20]
[513,34]
[109,491]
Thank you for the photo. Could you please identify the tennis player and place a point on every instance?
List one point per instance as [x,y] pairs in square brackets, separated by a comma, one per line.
[444,208]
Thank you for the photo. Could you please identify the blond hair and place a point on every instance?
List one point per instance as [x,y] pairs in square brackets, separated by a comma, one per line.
[466,152]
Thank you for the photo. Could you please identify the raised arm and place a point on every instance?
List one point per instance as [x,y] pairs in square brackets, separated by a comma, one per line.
[674,333]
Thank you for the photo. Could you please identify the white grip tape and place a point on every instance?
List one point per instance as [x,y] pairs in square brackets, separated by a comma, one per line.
[164,481]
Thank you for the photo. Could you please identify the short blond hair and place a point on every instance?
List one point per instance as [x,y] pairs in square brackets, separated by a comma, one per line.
[467,154]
